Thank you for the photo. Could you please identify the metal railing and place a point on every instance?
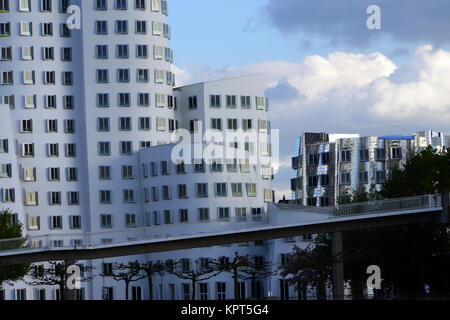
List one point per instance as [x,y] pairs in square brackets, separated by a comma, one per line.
[390,205]
[61,241]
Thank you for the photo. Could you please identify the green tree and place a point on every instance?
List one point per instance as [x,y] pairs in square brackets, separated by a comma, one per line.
[425,172]
[150,269]
[127,273]
[10,230]
[233,266]
[310,267]
[195,276]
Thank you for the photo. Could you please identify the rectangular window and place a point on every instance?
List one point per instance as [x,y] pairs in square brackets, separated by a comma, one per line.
[123,75]
[27,53]
[105,197]
[5,29]
[161,124]
[9,196]
[126,148]
[251,189]
[246,102]
[7,77]
[221,189]
[29,77]
[4,146]
[397,153]
[380,177]
[231,101]
[346,178]
[143,100]
[106,221]
[75,222]
[122,51]
[26,29]
[130,220]
[346,156]
[182,191]
[223,213]
[69,102]
[363,177]
[4,7]
[122,27]
[141,27]
[184,215]
[193,102]
[380,154]
[104,173]
[101,52]
[203,214]
[236,189]
[364,155]
[202,190]
[215,101]
[55,198]
[124,100]
[56,222]
[102,76]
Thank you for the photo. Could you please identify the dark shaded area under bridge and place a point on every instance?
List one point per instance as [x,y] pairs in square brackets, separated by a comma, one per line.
[333,225]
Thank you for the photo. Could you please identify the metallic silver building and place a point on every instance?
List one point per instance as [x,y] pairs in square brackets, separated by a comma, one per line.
[330,168]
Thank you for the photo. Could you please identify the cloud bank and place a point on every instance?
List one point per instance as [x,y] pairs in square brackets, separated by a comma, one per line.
[352,92]
[344,22]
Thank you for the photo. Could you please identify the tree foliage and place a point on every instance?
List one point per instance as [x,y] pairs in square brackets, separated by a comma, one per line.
[425,172]
[9,230]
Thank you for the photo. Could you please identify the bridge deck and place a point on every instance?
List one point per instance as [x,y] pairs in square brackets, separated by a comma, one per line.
[281,221]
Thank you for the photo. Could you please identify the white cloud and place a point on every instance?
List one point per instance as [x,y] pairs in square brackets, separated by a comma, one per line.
[353,87]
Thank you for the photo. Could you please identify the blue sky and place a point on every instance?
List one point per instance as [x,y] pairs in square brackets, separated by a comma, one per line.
[324,70]
[213,33]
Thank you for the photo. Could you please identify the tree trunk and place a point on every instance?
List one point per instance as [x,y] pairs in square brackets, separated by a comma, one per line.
[299,289]
[127,288]
[150,287]
[62,290]
[194,283]
[237,293]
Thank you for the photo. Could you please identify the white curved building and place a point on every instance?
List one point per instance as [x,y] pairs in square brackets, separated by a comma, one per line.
[85,112]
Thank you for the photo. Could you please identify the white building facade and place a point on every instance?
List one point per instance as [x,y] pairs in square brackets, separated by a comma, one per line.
[87,112]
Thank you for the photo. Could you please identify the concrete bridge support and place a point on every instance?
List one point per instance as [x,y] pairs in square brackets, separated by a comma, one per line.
[446,206]
[337,248]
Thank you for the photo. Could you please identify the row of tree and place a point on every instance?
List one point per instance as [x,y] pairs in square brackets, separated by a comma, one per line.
[54,273]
